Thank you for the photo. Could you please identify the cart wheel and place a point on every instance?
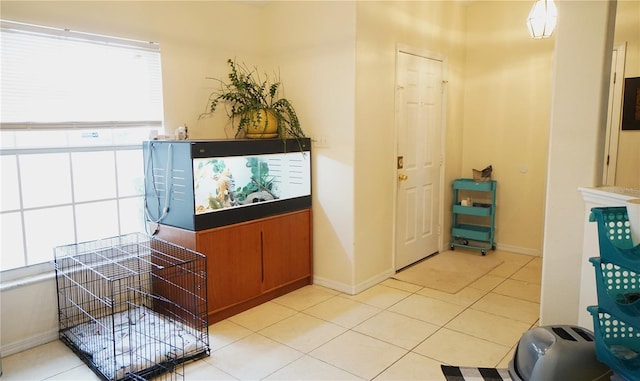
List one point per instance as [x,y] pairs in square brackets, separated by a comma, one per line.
[452,246]
[465,242]
[493,247]
[483,253]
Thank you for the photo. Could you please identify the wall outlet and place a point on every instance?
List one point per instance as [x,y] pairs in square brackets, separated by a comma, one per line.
[320,141]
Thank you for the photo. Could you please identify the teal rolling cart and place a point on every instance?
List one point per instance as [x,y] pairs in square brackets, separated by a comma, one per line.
[474,215]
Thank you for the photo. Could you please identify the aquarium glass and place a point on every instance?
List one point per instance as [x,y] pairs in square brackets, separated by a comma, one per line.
[237,181]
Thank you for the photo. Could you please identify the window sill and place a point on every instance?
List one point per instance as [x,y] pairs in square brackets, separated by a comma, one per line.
[16,278]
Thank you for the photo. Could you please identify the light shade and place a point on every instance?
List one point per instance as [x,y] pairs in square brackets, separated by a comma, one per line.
[542,19]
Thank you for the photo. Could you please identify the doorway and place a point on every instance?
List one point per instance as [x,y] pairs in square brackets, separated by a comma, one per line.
[420,87]
[614,114]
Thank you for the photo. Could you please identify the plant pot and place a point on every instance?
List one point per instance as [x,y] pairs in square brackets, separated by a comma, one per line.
[263,125]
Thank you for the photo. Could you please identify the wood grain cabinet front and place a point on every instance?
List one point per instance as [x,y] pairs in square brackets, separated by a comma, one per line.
[251,262]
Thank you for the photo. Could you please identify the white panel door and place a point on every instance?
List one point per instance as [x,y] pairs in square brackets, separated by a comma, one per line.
[419,130]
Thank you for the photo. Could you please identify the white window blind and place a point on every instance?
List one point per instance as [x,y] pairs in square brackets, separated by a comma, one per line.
[74,110]
[56,77]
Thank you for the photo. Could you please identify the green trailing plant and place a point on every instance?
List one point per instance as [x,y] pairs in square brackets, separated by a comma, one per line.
[246,93]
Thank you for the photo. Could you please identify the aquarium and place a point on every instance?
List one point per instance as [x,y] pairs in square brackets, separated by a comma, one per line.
[203,184]
[236,181]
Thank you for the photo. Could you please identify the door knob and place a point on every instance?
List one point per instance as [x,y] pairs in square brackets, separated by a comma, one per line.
[402,177]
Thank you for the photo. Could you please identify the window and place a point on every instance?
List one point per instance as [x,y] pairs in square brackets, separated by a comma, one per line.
[75,109]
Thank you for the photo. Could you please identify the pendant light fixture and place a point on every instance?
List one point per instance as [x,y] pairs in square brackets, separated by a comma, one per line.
[542,19]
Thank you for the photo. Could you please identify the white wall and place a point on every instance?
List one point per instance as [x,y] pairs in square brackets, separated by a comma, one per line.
[435,26]
[317,60]
[506,117]
[29,315]
[582,59]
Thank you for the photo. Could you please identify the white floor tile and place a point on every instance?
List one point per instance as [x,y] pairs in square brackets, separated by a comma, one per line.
[413,367]
[380,296]
[359,354]
[39,363]
[504,363]
[226,332]
[303,332]
[401,285]
[305,297]
[519,289]
[396,329]
[342,311]
[506,269]
[262,316]
[427,309]
[488,282]
[530,274]
[490,327]
[253,357]
[79,373]
[203,371]
[509,307]
[309,368]
[465,297]
[459,349]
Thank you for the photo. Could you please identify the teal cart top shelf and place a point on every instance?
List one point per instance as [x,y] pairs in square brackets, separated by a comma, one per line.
[471,184]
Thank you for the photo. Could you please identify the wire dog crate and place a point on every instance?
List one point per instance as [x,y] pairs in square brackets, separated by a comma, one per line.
[132,307]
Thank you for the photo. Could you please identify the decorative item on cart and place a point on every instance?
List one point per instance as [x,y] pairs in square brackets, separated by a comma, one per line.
[132,307]
[483,175]
[253,103]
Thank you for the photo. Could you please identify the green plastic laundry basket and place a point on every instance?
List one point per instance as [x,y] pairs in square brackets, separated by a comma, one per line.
[617,343]
[614,237]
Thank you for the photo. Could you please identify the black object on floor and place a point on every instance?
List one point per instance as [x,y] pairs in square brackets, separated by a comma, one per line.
[457,373]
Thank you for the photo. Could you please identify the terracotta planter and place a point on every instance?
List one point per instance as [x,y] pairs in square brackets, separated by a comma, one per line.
[262,127]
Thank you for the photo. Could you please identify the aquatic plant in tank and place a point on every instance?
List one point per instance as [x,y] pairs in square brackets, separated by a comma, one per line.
[216,182]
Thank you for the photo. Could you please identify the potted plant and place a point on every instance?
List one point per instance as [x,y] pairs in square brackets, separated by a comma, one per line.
[253,104]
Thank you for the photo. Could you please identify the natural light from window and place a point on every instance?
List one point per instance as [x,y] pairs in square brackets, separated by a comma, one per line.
[75,110]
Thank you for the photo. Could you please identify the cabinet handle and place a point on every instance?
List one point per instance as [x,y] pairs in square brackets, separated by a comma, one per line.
[262,257]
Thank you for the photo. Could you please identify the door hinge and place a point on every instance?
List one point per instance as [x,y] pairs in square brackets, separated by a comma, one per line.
[444,83]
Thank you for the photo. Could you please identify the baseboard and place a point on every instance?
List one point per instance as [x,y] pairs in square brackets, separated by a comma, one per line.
[519,249]
[28,343]
[373,281]
[353,289]
[332,284]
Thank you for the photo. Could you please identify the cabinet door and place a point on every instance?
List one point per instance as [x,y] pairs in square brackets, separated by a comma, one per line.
[234,264]
[286,248]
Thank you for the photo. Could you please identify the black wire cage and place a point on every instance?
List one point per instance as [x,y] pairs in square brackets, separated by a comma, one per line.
[133,307]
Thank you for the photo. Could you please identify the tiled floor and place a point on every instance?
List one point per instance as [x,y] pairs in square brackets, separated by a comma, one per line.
[392,331]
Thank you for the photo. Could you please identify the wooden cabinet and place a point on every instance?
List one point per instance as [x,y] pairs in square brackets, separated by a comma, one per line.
[251,262]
